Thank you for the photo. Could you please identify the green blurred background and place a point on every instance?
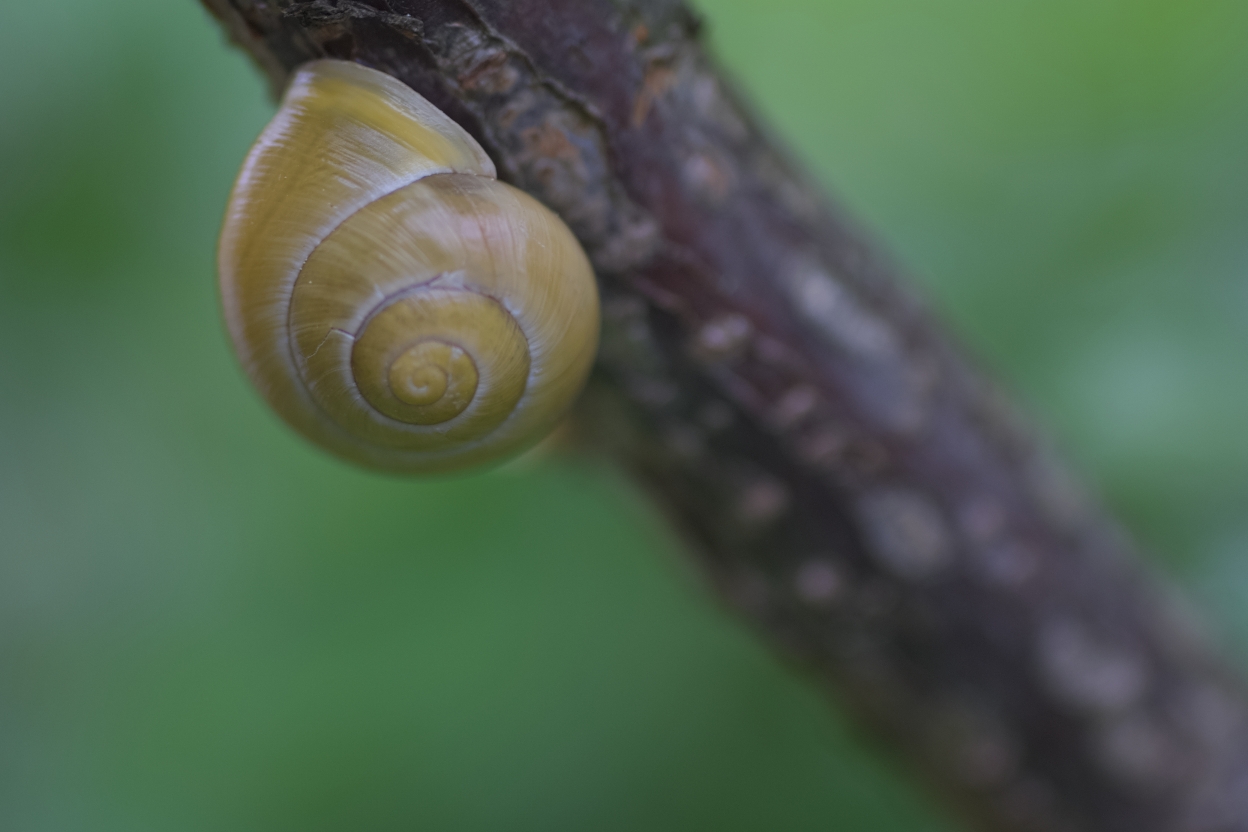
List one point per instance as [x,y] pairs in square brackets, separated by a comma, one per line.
[206,624]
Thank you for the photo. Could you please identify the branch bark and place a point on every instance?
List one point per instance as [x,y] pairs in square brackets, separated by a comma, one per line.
[850,484]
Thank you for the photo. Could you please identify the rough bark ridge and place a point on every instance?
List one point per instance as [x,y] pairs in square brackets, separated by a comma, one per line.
[850,484]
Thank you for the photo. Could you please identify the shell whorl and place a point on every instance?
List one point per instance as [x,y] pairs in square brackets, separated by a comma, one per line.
[390,298]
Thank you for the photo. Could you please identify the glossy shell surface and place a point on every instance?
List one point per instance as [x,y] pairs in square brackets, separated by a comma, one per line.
[391,299]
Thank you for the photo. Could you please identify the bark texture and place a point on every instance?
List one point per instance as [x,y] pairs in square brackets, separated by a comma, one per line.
[849,483]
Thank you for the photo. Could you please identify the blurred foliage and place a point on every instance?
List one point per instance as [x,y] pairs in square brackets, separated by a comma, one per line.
[207,625]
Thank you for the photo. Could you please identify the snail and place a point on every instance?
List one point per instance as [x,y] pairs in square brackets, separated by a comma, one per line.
[390,298]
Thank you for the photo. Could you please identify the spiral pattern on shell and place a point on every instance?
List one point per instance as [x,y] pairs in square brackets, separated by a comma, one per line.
[390,298]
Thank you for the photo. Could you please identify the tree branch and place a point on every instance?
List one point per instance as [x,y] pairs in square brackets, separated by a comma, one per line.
[851,486]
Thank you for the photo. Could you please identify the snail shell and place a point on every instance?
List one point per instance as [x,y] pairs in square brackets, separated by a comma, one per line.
[389,297]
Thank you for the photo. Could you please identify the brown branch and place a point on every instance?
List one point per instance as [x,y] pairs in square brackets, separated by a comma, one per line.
[850,484]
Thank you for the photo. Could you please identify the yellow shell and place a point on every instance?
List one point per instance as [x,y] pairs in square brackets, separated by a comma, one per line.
[389,297]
